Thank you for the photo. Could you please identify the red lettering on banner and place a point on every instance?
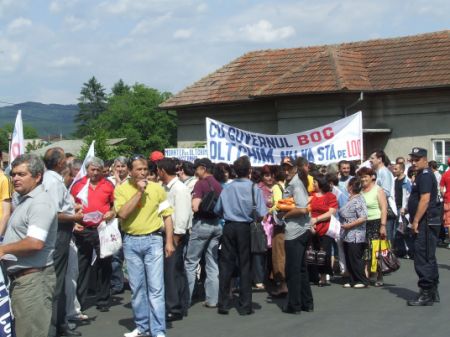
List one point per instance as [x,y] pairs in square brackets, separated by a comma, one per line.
[303,139]
[328,133]
[316,136]
[354,148]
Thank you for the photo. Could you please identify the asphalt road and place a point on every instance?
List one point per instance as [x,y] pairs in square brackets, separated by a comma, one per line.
[339,312]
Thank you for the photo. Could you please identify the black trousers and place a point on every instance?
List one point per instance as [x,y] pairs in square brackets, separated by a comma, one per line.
[354,259]
[297,279]
[175,280]
[325,243]
[60,261]
[86,241]
[425,262]
[235,252]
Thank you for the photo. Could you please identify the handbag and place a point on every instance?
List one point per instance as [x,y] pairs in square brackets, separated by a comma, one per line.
[258,239]
[390,212]
[315,257]
[310,255]
[387,262]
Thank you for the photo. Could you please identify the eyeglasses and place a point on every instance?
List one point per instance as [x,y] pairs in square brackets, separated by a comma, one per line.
[136,157]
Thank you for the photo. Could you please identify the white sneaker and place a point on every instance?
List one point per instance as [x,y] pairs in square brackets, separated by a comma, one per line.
[135,333]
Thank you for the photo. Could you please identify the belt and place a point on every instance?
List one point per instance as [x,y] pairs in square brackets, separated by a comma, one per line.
[23,272]
[158,232]
[238,222]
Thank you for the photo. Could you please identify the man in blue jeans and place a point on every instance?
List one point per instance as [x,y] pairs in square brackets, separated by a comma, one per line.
[205,234]
[140,204]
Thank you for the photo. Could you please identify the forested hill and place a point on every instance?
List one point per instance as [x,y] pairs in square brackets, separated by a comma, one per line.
[47,119]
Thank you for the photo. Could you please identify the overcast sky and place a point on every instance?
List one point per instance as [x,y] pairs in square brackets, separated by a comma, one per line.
[49,48]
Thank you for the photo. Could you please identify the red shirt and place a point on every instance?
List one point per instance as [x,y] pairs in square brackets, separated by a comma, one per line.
[320,205]
[100,198]
[445,181]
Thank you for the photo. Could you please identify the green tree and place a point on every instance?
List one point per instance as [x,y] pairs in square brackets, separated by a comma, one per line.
[120,88]
[135,115]
[92,104]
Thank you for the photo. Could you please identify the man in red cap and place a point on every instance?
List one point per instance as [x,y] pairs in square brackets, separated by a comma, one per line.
[155,156]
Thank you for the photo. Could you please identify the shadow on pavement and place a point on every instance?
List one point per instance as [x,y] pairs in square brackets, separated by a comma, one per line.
[402,293]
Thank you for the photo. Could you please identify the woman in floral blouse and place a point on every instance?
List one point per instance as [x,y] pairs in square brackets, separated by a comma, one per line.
[353,233]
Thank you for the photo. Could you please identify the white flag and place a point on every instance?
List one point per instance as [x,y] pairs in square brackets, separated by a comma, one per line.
[82,172]
[17,141]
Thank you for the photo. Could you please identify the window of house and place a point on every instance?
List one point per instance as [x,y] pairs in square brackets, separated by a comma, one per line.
[441,150]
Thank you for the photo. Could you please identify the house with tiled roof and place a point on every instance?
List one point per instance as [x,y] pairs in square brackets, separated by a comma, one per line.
[401,85]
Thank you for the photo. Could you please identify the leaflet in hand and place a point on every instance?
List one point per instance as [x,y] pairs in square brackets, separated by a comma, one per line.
[95,217]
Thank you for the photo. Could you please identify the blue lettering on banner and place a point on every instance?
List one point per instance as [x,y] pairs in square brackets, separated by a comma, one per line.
[326,153]
[220,133]
[231,133]
[257,153]
[342,154]
[215,150]
[212,150]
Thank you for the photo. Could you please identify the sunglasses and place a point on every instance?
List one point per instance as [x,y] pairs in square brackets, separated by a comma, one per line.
[136,157]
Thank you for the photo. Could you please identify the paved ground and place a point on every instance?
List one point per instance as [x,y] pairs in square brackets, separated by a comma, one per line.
[339,312]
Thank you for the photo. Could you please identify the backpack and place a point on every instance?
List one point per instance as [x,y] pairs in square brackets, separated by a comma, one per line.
[206,207]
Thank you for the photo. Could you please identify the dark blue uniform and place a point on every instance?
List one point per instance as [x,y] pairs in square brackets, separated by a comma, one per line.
[426,240]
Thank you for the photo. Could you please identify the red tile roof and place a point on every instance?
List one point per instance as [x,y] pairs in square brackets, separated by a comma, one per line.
[412,62]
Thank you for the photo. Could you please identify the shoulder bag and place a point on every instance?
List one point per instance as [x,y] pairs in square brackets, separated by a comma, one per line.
[258,239]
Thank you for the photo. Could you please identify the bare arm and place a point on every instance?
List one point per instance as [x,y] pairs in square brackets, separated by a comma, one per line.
[130,206]
[168,225]
[356,223]
[196,204]
[64,217]
[24,247]
[6,213]
[296,212]
[382,202]
[325,216]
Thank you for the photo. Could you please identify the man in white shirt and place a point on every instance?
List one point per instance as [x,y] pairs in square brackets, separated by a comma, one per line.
[186,173]
[179,197]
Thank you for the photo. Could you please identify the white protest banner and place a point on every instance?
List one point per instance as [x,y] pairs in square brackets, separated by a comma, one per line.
[189,154]
[17,141]
[329,143]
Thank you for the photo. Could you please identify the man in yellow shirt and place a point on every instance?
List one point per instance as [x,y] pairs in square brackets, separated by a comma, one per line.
[5,201]
[140,205]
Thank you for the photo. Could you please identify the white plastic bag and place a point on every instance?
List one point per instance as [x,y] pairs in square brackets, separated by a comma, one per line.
[110,238]
[334,229]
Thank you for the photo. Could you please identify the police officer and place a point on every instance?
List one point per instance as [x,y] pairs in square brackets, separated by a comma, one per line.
[423,211]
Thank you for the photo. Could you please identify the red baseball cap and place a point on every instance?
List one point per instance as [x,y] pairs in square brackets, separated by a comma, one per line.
[156,155]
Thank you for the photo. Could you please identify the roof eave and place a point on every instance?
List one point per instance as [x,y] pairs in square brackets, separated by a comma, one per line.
[310,93]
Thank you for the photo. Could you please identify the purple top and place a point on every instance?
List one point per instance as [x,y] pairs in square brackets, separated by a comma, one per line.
[202,187]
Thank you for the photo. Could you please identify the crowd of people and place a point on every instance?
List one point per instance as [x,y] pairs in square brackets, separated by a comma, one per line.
[188,229]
